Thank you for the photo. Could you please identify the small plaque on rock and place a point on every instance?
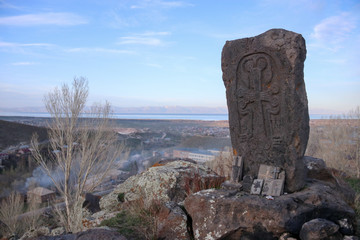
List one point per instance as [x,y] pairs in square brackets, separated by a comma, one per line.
[268,172]
[273,187]
[257,186]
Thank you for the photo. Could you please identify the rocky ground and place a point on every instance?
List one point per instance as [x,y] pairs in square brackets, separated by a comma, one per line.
[190,204]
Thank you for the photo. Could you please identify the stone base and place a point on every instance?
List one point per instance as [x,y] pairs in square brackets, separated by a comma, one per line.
[220,214]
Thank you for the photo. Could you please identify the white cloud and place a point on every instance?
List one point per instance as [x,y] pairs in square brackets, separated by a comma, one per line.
[147,38]
[99,50]
[334,30]
[4,4]
[155,34]
[140,41]
[23,63]
[14,45]
[61,19]
[159,3]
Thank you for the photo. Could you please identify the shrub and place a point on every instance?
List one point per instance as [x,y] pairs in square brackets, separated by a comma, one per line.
[136,221]
[121,197]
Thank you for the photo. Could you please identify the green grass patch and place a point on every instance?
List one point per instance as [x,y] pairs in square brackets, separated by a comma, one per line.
[355,184]
[126,224]
[133,225]
[121,197]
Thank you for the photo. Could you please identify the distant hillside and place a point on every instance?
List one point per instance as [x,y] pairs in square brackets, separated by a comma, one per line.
[12,133]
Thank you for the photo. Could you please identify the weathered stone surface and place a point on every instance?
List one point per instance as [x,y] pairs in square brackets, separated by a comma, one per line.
[164,183]
[334,178]
[92,234]
[33,233]
[172,223]
[230,185]
[237,169]
[319,229]
[351,238]
[268,172]
[314,166]
[91,202]
[273,187]
[247,183]
[95,234]
[267,102]
[286,236]
[222,214]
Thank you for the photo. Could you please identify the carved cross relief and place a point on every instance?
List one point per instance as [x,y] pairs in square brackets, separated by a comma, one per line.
[257,96]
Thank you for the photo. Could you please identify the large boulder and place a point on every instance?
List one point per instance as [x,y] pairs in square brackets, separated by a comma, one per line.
[218,214]
[316,169]
[168,182]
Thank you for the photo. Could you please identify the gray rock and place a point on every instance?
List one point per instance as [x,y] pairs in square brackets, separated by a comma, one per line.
[92,234]
[170,182]
[217,214]
[351,238]
[314,164]
[317,170]
[318,229]
[267,102]
[33,233]
[172,223]
[103,234]
[286,236]
[57,231]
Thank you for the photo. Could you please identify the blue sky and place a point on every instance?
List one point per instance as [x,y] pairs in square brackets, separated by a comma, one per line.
[166,53]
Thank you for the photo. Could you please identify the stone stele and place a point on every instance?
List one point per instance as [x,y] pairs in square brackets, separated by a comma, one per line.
[267,102]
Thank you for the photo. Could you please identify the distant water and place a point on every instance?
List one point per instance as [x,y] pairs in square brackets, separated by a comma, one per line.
[204,117]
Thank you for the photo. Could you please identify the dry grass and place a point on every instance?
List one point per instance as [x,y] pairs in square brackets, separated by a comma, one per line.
[337,141]
[33,215]
[222,164]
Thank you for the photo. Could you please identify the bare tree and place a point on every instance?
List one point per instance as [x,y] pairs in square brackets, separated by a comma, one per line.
[10,209]
[83,147]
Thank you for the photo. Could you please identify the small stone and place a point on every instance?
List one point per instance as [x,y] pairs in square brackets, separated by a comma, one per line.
[269,197]
[286,236]
[237,169]
[345,227]
[351,238]
[231,186]
[57,231]
[318,229]
[247,182]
